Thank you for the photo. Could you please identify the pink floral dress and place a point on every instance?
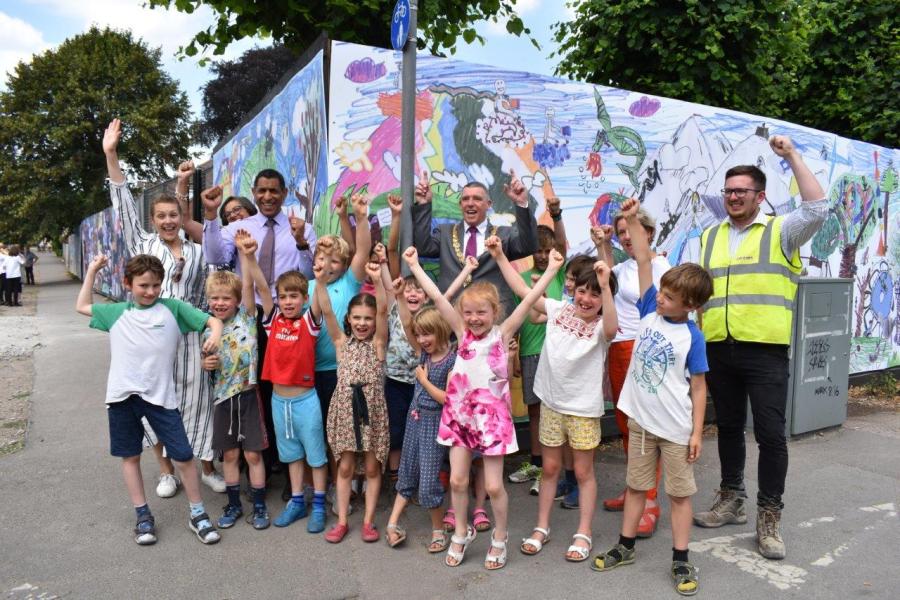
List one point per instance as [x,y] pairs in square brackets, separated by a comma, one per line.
[477,412]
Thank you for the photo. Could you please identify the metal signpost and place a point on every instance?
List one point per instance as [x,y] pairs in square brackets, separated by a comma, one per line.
[403,37]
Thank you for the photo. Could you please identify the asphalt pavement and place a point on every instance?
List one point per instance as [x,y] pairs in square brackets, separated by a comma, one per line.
[66,522]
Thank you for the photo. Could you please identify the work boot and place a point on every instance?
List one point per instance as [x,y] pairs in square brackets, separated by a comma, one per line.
[768,533]
[728,508]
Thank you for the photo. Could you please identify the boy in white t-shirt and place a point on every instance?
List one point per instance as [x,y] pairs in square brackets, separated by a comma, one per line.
[571,362]
[144,335]
[664,405]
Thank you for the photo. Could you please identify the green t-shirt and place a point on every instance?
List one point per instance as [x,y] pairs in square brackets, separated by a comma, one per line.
[531,336]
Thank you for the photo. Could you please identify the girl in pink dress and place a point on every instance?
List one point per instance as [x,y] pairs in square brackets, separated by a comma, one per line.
[476,416]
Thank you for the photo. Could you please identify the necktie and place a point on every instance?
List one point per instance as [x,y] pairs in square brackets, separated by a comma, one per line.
[267,252]
[471,243]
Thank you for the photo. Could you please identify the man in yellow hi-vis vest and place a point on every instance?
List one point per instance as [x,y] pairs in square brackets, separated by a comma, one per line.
[754,260]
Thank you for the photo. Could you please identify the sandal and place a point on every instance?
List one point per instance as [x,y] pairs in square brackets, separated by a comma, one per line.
[616,556]
[398,531]
[533,541]
[449,520]
[582,552]
[439,537]
[480,520]
[493,562]
[206,534]
[145,530]
[686,576]
[458,556]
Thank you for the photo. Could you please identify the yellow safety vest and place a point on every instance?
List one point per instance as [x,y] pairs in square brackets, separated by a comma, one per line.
[753,292]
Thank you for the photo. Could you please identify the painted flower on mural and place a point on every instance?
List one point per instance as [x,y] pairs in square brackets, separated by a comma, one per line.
[594,165]
[644,107]
[365,70]
[355,155]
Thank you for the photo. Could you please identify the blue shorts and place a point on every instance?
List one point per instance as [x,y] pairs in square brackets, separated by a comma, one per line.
[299,431]
[126,432]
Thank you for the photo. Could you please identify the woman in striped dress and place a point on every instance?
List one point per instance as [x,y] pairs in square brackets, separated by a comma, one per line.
[184,280]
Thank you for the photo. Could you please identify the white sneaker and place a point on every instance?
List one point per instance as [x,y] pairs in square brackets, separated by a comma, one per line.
[214,481]
[167,485]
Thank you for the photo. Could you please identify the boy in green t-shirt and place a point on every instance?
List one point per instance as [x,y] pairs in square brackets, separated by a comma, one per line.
[144,334]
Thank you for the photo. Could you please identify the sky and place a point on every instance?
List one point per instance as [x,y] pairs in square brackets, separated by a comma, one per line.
[35,26]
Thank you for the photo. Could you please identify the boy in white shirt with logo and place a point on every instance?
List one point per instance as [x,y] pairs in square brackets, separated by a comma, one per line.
[664,397]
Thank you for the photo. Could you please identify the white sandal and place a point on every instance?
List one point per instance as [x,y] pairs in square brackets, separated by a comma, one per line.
[493,562]
[532,541]
[582,552]
[464,542]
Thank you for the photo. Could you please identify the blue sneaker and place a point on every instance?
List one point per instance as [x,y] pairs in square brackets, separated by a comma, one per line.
[563,488]
[260,518]
[571,499]
[316,523]
[291,513]
[232,514]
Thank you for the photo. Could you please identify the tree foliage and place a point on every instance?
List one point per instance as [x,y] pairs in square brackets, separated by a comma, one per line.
[827,64]
[238,86]
[52,118]
[298,24]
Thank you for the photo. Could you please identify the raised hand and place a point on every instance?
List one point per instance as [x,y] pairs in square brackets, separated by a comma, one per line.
[185,170]
[553,206]
[211,198]
[630,208]
[245,242]
[602,270]
[360,203]
[340,205]
[298,229]
[98,263]
[111,136]
[373,270]
[397,286]
[471,264]
[423,193]
[515,190]
[411,256]
[381,252]
[781,145]
[494,246]
[396,203]
[319,272]
[556,260]
[601,234]
[325,245]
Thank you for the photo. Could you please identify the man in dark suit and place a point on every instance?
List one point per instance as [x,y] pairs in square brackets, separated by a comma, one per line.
[452,243]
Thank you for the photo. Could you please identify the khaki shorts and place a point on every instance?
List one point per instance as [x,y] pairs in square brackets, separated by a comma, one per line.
[582,433]
[644,449]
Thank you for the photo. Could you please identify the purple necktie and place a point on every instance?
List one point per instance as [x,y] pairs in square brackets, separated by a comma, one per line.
[471,243]
[267,251]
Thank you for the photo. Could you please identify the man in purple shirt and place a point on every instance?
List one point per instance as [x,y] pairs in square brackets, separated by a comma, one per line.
[290,243]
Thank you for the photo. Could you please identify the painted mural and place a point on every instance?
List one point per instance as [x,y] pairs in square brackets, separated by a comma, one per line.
[593,146]
[288,134]
[101,233]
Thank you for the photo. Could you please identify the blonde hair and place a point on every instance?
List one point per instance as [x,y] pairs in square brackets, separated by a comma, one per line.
[429,321]
[481,291]
[339,248]
[224,279]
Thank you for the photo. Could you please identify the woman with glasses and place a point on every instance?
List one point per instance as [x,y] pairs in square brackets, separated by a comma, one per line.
[185,276]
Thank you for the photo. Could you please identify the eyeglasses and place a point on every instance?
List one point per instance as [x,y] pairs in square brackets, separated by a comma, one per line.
[739,192]
[179,270]
[234,212]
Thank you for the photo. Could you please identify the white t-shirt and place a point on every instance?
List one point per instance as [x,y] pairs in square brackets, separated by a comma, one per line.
[143,343]
[12,266]
[629,293]
[657,391]
[571,363]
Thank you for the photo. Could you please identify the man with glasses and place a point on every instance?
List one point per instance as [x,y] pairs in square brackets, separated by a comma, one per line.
[754,259]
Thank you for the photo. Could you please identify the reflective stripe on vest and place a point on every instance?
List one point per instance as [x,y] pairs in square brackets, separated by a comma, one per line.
[753,298]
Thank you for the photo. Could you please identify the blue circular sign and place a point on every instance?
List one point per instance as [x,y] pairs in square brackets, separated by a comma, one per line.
[400,24]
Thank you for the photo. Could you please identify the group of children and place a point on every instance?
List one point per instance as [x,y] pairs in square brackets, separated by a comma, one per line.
[452,362]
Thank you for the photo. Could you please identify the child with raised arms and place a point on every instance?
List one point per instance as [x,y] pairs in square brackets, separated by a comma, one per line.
[144,335]
[664,397]
[476,416]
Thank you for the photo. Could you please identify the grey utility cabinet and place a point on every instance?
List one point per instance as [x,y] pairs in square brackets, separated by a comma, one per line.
[820,355]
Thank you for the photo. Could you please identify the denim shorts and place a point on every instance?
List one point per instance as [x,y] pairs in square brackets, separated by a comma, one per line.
[299,430]
[126,432]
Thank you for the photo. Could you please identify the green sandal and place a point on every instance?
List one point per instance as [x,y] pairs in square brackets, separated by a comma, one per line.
[686,576]
[617,556]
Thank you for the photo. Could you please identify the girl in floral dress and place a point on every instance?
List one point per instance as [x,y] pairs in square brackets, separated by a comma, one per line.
[476,415]
[357,423]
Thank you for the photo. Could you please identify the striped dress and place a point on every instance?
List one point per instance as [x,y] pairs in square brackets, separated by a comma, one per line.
[192,384]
